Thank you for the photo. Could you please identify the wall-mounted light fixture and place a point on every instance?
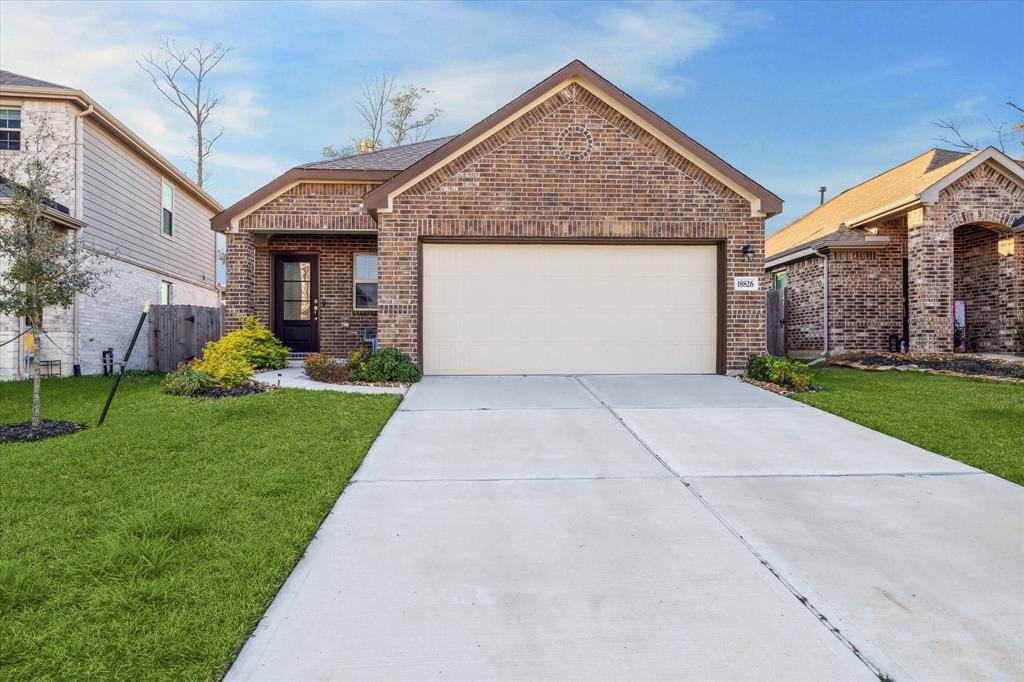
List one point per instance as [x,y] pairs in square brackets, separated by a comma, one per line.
[748,252]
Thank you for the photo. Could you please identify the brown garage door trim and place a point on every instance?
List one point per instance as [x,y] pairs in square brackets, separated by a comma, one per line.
[681,241]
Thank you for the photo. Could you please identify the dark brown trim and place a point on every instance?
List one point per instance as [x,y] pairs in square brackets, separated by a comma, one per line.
[624,241]
[722,264]
[222,221]
[723,309]
[770,203]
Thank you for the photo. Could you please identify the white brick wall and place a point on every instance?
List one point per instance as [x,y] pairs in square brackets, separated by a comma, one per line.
[108,319]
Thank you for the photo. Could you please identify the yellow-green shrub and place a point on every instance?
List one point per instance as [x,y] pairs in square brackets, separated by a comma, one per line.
[227,368]
[256,345]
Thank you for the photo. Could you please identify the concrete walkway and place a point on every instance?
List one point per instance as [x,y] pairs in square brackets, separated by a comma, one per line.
[649,528]
[295,377]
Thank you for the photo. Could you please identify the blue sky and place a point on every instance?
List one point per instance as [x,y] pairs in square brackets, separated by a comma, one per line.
[796,95]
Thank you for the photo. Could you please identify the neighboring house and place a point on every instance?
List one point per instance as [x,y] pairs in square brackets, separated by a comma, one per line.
[897,253]
[571,231]
[124,200]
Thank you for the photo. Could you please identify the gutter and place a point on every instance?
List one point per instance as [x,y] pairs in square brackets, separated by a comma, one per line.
[825,329]
[76,367]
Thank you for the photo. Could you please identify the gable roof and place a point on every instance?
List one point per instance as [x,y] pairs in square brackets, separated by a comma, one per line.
[762,201]
[16,85]
[392,158]
[896,190]
[17,80]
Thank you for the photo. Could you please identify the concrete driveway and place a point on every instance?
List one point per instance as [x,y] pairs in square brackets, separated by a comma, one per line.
[649,527]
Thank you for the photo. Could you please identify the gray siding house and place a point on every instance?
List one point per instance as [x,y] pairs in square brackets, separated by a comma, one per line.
[127,202]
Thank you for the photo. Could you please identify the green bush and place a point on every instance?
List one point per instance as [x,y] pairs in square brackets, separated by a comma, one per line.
[256,345]
[319,367]
[780,371]
[387,364]
[186,380]
[227,368]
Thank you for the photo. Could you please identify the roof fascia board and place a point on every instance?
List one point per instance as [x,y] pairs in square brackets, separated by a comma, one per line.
[872,245]
[53,215]
[382,198]
[228,220]
[121,131]
[1002,163]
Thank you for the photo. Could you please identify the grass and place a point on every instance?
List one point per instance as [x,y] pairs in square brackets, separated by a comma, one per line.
[149,548]
[979,423]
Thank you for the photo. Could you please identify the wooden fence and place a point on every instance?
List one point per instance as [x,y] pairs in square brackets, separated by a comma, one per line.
[178,333]
[776,301]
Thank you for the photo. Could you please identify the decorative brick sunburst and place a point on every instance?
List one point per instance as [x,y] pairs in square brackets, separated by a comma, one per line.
[575,142]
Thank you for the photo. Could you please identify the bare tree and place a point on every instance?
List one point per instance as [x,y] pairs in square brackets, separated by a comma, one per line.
[180,76]
[44,265]
[1001,133]
[383,106]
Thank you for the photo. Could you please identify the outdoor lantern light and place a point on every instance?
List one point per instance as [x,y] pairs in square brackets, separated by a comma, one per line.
[748,252]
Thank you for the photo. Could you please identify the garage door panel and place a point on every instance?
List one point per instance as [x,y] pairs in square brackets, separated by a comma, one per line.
[559,308]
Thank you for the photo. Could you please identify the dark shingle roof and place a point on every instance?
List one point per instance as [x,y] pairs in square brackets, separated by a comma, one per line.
[391,159]
[6,193]
[16,80]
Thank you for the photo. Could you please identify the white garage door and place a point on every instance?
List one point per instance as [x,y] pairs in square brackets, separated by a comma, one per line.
[568,309]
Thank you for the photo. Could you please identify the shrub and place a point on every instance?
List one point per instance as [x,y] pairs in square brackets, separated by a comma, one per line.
[319,367]
[359,356]
[228,369]
[387,364]
[779,371]
[256,345]
[186,380]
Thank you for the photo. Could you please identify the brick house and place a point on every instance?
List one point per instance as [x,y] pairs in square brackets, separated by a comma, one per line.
[122,199]
[571,231]
[931,251]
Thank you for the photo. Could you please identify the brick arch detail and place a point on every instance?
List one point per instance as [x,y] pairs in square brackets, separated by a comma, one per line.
[996,220]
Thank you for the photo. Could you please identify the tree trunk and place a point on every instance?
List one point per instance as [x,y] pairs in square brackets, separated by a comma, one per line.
[36,380]
[199,155]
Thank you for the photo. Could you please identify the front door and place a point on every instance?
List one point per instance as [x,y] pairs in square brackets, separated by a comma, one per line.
[296,302]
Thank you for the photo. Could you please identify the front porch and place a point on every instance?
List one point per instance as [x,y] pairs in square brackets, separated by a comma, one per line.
[316,291]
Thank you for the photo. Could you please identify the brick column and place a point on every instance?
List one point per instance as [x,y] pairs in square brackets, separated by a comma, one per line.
[930,262]
[398,284]
[241,264]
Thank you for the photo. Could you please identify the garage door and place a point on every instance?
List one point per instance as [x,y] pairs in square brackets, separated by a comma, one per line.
[569,309]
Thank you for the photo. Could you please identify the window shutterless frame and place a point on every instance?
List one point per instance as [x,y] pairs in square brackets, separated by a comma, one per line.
[166,210]
[166,292]
[364,281]
[10,129]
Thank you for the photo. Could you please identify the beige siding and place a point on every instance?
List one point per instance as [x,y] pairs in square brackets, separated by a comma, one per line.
[121,209]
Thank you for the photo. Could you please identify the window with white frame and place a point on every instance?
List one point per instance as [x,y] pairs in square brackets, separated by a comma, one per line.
[10,129]
[166,292]
[781,278]
[365,281]
[167,213]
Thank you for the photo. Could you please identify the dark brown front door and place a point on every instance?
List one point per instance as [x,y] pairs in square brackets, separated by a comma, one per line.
[296,302]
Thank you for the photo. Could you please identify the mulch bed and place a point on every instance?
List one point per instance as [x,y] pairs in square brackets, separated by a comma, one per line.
[345,382]
[22,432]
[217,392]
[958,365]
[775,388]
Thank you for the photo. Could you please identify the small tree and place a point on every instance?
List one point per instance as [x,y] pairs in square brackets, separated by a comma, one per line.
[1002,133]
[43,266]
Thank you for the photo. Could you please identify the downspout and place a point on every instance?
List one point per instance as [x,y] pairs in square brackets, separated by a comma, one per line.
[79,172]
[824,332]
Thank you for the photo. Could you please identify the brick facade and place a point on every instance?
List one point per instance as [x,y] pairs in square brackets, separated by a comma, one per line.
[960,247]
[517,184]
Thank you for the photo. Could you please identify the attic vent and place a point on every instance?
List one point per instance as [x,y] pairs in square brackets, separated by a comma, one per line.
[575,143]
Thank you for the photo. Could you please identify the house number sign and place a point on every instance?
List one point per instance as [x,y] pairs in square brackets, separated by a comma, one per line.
[745,284]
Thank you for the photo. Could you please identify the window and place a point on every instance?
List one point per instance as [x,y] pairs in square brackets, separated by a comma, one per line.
[781,279]
[166,289]
[10,130]
[167,227]
[365,287]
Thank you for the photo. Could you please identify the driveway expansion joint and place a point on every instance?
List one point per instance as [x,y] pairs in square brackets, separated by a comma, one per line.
[775,572]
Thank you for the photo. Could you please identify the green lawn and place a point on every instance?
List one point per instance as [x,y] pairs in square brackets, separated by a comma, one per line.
[149,548]
[979,423]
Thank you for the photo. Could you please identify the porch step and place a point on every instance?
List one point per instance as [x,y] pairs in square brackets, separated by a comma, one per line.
[295,359]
